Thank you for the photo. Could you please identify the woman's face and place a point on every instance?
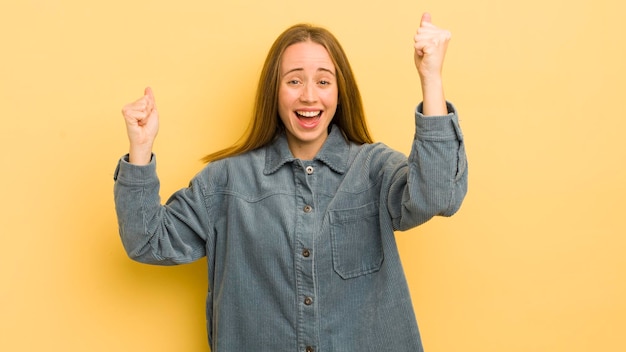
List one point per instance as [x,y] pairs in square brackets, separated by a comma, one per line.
[307,97]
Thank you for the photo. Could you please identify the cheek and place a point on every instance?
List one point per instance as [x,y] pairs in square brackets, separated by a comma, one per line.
[285,98]
[284,109]
[331,99]
[282,102]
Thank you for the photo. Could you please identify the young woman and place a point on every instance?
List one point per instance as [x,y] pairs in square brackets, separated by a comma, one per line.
[297,220]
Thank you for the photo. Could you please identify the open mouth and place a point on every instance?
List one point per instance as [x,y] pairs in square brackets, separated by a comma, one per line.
[308,114]
[309,119]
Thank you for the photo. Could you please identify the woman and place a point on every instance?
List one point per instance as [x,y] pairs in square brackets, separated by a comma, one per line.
[297,220]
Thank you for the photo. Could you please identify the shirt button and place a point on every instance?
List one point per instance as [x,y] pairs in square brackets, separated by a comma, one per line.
[307,208]
[306,253]
[310,349]
[308,301]
[309,170]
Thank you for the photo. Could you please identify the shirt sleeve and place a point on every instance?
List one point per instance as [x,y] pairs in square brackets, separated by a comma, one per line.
[153,233]
[435,182]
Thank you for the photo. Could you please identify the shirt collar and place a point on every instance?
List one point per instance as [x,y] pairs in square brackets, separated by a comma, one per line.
[334,152]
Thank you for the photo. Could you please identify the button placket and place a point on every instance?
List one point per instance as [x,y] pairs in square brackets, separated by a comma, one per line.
[305,276]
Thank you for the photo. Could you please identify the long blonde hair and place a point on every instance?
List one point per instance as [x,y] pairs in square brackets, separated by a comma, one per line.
[266,124]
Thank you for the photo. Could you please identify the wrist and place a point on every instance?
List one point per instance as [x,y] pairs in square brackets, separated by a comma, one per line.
[431,80]
[140,155]
[433,97]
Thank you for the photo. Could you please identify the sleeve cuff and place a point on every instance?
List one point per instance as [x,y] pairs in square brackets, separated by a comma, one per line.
[128,173]
[438,128]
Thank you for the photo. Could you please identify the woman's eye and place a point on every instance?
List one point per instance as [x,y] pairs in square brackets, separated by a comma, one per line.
[324,83]
[293,82]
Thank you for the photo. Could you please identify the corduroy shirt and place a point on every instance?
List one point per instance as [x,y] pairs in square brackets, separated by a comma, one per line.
[301,254]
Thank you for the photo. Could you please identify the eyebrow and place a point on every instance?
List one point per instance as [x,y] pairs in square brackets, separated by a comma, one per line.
[323,69]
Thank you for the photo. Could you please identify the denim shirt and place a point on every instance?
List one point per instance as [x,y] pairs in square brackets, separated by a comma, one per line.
[301,254]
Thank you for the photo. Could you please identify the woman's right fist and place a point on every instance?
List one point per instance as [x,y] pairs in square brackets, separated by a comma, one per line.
[142,126]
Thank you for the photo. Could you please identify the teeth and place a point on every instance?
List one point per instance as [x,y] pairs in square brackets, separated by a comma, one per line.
[308,113]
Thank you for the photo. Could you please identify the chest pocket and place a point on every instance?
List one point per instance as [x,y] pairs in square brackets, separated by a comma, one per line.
[356,242]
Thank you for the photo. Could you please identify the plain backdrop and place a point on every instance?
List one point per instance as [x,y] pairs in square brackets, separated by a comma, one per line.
[533,261]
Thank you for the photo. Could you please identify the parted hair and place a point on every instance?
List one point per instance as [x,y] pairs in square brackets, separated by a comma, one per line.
[266,124]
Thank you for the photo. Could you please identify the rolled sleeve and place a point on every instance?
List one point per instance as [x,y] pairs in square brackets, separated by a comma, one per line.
[438,128]
[128,173]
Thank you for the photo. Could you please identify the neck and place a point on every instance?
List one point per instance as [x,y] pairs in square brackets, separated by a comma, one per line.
[305,151]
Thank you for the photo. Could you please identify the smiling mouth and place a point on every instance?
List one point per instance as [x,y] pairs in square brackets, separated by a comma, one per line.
[309,119]
[308,114]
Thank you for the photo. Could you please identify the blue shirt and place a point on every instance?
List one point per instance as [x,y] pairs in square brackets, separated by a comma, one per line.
[301,254]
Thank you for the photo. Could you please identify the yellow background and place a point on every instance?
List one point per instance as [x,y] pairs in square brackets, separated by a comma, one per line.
[534,261]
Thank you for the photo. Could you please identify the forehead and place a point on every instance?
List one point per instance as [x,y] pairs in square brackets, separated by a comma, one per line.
[306,55]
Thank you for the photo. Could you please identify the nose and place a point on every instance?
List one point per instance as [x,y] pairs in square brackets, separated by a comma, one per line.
[308,93]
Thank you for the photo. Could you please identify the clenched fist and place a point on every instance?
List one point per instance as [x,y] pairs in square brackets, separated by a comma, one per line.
[430,46]
[142,126]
